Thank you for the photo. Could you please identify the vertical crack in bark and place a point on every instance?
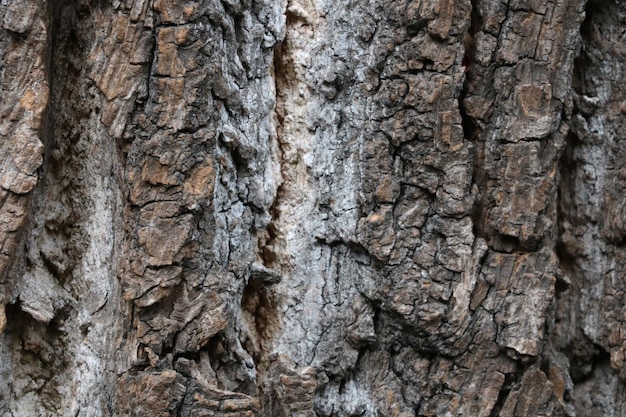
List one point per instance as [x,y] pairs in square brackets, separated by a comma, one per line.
[75,234]
[43,323]
[589,248]
[511,381]
[261,317]
[471,128]
[272,278]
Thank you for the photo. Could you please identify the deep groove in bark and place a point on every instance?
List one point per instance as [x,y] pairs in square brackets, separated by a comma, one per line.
[584,196]
[471,130]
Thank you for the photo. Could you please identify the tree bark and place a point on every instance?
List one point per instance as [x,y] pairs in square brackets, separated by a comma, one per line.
[312,208]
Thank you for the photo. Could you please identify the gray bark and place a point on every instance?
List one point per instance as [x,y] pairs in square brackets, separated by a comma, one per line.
[312,208]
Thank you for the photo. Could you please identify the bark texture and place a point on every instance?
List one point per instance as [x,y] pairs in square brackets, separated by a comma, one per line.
[312,208]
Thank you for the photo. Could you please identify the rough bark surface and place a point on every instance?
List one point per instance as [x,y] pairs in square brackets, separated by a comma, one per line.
[312,208]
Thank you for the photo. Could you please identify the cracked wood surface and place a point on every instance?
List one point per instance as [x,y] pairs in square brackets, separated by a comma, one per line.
[312,208]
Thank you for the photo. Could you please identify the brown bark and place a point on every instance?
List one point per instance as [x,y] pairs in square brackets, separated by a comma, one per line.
[312,208]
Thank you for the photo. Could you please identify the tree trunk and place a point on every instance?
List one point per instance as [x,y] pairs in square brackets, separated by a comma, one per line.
[312,208]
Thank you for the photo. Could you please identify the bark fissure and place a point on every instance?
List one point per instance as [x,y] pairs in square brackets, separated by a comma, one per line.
[586,207]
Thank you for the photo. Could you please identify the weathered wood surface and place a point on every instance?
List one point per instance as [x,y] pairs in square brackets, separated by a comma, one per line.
[312,208]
